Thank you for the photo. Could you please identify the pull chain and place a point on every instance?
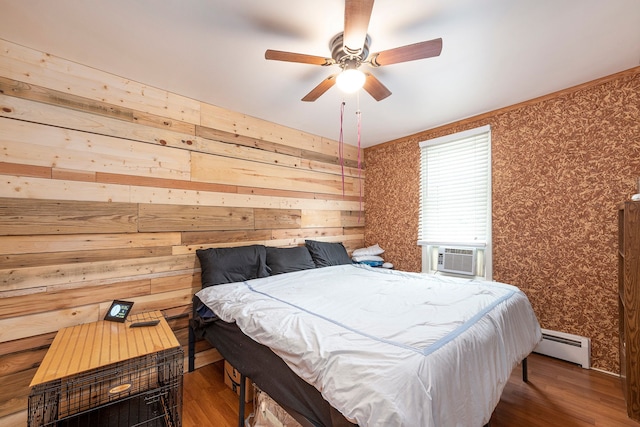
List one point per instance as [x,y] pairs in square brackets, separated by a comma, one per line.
[359,120]
[341,145]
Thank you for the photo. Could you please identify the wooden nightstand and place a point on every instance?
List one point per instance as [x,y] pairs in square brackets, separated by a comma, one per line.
[110,372]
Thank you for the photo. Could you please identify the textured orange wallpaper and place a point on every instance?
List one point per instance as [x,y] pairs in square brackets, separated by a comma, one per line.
[560,166]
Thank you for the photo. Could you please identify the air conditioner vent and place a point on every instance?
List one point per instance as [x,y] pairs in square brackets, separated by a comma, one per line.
[458,260]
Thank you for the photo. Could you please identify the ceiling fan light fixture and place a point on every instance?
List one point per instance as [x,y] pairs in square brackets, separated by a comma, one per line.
[357,14]
[350,80]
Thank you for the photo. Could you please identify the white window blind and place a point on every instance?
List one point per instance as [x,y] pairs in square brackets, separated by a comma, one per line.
[455,189]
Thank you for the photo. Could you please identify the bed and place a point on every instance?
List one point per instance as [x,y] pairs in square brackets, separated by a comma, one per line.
[339,344]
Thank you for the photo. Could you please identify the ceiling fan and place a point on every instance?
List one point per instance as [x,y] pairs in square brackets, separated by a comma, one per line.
[350,49]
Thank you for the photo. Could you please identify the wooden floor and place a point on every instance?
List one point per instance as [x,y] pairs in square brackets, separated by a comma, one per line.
[557,394]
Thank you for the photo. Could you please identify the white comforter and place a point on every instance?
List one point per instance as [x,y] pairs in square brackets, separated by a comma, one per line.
[388,348]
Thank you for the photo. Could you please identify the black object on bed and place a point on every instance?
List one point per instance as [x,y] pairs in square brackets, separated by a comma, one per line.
[227,265]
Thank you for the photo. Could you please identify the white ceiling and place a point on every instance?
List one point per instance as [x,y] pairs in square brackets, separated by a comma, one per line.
[495,53]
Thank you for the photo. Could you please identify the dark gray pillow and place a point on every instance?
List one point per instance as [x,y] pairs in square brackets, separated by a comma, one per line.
[227,265]
[325,254]
[286,260]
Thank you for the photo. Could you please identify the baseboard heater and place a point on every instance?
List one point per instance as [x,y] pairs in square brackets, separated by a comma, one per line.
[563,346]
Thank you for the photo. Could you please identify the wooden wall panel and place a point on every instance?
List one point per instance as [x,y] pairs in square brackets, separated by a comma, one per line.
[40,188]
[239,172]
[43,145]
[19,327]
[222,237]
[188,218]
[311,218]
[74,275]
[28,217]
[53,189]
[15,362]
[83,242]
[189,281]
[311,233]
[42,341]
[57,300]
[213,143]
[15,392]
[110,186]
[90,117]
[277,218]
[352,219]
[241,124]
[33,67]
[28,260]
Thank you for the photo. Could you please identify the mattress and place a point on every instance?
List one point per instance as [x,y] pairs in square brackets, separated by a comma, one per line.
[385,347]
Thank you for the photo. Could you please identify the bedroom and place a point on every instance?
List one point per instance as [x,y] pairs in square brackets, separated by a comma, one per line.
[95,160]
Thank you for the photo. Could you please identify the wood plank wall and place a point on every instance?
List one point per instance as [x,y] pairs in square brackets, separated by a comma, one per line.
[109,186]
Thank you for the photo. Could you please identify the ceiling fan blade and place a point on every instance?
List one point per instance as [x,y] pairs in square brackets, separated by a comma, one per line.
[278,55]
[375,88]
[426,49]
[317,91]
[357,14]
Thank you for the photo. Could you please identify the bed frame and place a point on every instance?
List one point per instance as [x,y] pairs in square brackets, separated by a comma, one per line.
[269,372]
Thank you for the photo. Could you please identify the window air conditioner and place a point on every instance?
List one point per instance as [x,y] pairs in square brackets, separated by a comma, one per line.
[458,260]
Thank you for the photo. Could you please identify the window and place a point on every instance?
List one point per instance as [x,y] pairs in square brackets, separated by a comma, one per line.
[455,196]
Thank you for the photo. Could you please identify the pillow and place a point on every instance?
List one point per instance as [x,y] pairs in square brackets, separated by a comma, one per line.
[368,258]
[286,260]
[371,250]
[227,265]
[325,254]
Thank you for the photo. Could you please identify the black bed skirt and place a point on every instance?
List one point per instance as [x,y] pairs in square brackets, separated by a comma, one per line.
[270,373]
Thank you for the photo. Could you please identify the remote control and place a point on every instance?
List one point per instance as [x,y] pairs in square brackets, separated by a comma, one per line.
[144,323]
